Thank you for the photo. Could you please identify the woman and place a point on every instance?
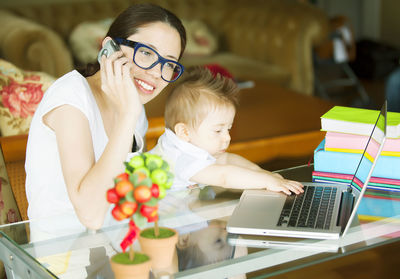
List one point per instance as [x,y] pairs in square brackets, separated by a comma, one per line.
[83,128]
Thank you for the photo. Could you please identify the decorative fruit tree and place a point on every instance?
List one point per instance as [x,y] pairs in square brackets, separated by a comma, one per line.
[136,193]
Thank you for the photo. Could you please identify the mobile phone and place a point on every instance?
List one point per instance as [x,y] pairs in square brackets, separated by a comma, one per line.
[110,47]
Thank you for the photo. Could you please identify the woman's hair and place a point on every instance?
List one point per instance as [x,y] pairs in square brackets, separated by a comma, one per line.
[130,20]
[198,93]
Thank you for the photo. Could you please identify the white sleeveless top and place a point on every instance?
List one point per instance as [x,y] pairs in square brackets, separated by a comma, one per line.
[45,186]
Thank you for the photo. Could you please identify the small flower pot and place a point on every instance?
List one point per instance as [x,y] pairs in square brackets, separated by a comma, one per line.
[123,268]
[161,250]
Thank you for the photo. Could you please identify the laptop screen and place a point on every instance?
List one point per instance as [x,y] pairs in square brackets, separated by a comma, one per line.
[370,152]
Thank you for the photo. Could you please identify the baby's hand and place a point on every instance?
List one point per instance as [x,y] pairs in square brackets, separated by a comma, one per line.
[280,184]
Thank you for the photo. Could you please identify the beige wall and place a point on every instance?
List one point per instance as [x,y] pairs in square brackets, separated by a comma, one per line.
[390,22]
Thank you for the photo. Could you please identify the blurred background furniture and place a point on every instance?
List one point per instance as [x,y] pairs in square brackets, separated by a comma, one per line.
[12,162]
[256,39]
[333,74]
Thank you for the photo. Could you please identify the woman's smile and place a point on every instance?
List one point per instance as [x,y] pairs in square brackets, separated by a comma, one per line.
[144,86]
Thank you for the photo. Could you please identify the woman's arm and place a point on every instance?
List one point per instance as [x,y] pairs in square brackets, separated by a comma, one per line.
[87,181]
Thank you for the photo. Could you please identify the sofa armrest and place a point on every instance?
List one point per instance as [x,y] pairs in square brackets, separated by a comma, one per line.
[14,147]
[280,32]
[32,46]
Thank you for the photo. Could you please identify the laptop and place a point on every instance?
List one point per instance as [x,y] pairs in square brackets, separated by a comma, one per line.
[323,211]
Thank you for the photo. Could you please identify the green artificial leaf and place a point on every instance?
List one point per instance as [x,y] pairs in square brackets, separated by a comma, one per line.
[151,165]
[128,168]
[122,200]
[153,161]
[143,170]
[139,220]
[152,202]
[165,166]
[129,196]
[133,178]
[145,155]
[147,182]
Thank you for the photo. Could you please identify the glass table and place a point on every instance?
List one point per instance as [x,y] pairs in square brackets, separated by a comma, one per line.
[47,249]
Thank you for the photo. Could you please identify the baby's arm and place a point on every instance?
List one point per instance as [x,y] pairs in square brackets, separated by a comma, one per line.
[240,176]
[237,160]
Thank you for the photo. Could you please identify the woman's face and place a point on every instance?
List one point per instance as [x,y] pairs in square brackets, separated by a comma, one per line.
[166,41]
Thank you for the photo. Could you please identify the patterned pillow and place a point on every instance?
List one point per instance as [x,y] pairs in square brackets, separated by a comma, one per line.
[85,40]
[200,39]
[20,94]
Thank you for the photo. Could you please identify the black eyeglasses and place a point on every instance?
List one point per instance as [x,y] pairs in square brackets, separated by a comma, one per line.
[146,57]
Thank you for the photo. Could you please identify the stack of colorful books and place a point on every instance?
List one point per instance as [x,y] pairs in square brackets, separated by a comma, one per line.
[338,155]
[347,132]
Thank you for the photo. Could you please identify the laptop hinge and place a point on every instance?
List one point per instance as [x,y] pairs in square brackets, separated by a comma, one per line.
[345,208]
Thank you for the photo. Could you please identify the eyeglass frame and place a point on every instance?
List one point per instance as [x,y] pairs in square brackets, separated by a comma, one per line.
[162,60]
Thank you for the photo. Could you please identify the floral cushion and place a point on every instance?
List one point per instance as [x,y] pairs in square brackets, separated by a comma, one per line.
[20,94]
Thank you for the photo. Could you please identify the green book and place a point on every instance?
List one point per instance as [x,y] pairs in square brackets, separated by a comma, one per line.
[359,121]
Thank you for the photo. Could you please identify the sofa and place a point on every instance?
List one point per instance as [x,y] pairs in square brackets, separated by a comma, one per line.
[255,39]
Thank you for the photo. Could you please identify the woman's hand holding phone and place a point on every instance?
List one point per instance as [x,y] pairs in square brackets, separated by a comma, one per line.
[117,83]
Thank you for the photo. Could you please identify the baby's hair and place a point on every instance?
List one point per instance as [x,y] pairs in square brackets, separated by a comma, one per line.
[198,93]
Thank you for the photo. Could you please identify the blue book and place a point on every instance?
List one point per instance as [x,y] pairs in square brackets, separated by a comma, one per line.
[342,162]
[377,207]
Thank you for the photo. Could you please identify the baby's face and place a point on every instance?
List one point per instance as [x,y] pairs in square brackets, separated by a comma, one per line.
[212,134]
[212,241]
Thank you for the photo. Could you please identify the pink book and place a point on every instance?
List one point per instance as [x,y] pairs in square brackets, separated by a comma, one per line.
[342,142]
[380,180]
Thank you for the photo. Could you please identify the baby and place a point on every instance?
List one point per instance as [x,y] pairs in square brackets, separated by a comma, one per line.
[199,113]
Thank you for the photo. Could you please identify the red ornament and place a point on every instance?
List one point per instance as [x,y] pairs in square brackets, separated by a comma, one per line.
[142,194]
[122,176]
[118,214]
[112,196]
[155,190]
[150,212]
[122,187]
[218,69]
[131,236]
[128,207]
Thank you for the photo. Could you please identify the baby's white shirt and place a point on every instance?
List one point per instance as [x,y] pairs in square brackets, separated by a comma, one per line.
[185,159]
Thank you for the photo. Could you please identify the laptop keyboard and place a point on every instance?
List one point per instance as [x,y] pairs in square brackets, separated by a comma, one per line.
[311,209]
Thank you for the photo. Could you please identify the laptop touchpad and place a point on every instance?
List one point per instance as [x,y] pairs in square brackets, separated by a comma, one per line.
[265,208]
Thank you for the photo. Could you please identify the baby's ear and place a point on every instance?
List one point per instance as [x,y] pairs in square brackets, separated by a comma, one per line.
[182,131]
